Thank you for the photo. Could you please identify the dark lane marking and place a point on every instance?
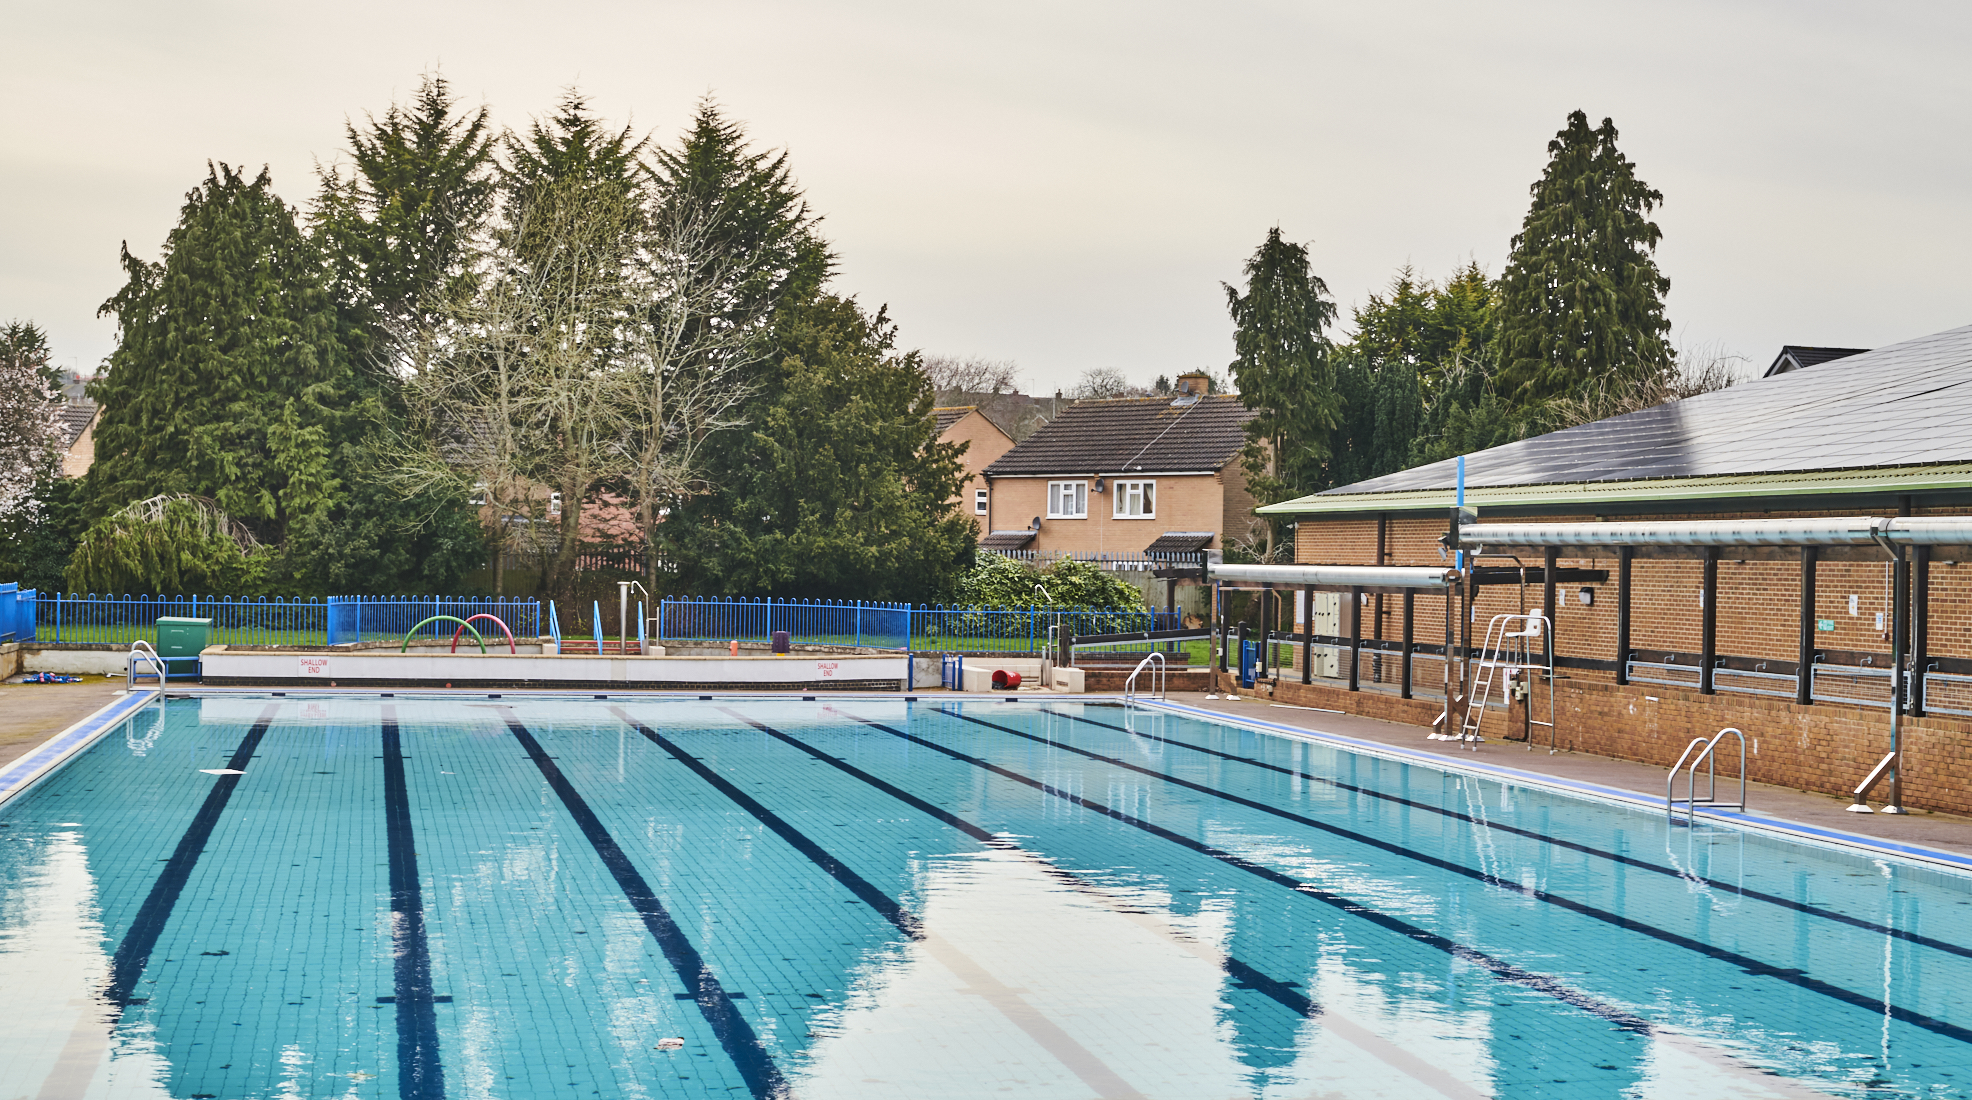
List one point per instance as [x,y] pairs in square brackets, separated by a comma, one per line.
[1281,992]
[1614,857]
[763,1078]
[906,921]
[134,953]
[420,1073]
[1873,1005]
[1499,968]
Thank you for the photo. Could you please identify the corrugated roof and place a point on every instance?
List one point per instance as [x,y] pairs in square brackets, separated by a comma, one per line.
[1908,405]
[1123,436]
[1179,542]
[1884,479]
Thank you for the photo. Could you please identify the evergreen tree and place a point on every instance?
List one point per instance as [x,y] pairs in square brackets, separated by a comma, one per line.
[399,228]
[1283,372]
[1581,300]
[847,491]
[231,378]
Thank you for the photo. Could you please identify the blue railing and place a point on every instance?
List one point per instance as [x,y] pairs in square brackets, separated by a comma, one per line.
[892,625]
[17,615]
[337,620]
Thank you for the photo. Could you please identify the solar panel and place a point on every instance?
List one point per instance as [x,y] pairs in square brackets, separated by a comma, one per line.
[1906,404]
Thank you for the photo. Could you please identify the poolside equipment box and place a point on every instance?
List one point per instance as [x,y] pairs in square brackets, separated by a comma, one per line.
[179,643]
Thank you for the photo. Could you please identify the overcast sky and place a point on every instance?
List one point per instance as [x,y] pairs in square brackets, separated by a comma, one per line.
[1067,184]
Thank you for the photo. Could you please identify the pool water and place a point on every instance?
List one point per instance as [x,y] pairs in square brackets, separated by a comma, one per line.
[428,897]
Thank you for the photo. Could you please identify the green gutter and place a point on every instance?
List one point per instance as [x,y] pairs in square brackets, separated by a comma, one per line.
[1879,479]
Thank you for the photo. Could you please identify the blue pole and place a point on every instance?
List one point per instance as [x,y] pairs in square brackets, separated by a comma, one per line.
[1461,503]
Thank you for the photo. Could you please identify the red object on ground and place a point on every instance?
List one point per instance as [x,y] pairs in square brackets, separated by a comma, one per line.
[1004,679]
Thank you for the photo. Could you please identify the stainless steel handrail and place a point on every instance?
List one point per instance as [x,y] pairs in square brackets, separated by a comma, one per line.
[142,650]
[1160,678]
[1708,757]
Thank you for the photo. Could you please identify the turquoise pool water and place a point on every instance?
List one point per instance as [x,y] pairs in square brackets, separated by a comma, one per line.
[535,897]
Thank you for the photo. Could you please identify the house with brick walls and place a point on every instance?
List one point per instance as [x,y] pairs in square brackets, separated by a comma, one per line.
[1797,645]
[984,443]
[1121,478]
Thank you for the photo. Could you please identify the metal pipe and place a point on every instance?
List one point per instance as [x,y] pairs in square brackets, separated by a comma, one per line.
[1845,531]
[1340,576]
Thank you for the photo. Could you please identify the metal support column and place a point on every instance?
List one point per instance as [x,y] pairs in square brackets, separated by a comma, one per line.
[1804,673]
[1410,609]
[1307,633]
[1266,632]
[1624,558]
[1920,626]
[1708,641]
[1548,560]
[1355,638]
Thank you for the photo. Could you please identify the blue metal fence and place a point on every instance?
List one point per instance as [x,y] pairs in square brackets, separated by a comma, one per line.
[16,613]
[891,625]
[337,620]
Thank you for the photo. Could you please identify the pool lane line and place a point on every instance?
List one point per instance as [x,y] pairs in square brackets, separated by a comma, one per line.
[866,892]
[1850,843]
[1792,976]
[737,1037]
[1277,990]
[1614,857]
[140,939]
[420,1072]
[1050,1036]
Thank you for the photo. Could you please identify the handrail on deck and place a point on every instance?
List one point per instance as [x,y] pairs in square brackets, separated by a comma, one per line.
[144,651]
[1160,678]
[1708,757]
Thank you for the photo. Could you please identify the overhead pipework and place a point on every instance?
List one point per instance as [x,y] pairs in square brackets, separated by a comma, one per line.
[1338,576]
[1888,531]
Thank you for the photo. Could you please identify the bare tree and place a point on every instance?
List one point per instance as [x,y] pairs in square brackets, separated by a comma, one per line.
[1099,383]
[1695,370]
[968,379]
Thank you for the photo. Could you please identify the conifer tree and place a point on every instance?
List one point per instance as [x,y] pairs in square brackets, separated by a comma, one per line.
[1581,299]
[231,379]
[399,228]
[848,492]
[1283,371]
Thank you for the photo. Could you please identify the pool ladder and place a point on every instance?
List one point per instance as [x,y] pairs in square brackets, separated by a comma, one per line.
[1160,678]
[141,652]
[1708,756]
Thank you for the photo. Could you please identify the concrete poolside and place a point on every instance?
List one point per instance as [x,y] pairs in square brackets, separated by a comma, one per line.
[30,714]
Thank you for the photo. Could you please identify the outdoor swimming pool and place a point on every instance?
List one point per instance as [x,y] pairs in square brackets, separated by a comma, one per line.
[424,897]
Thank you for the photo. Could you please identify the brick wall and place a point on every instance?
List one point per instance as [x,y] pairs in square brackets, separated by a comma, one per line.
[1825,747]
[985,443]
[1188,502]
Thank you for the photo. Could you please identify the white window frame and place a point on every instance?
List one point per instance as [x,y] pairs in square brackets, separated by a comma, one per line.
[1076,493]
[554,504]
[1125,490]
[979,499]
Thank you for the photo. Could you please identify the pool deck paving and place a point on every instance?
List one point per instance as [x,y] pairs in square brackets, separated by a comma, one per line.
[30,714]
[1920,828]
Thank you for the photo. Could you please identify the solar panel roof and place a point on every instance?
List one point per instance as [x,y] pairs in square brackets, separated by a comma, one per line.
[1907,404]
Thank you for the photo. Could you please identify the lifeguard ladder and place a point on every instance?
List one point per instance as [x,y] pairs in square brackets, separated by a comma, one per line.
[1517,648]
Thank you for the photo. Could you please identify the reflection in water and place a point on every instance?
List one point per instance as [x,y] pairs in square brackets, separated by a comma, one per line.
[53,969]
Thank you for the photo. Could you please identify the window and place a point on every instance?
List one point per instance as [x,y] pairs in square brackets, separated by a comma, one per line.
[1068,500]
[979,502]
[478,496]
[554,504]
[1136,499]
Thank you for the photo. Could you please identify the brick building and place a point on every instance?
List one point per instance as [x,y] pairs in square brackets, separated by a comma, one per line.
[1112,478]
[984,443]
[1658,644]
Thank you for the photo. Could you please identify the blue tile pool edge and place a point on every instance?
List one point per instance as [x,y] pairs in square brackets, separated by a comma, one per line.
[27,772]
[1832,838]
